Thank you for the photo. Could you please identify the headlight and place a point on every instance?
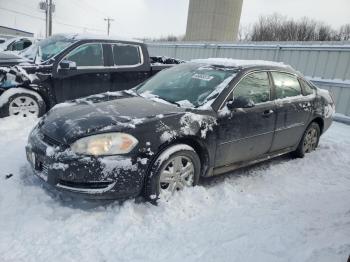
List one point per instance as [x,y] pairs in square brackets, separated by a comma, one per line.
[105,144]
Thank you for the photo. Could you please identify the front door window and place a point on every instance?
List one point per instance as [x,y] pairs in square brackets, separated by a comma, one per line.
[254,87]
[87,55]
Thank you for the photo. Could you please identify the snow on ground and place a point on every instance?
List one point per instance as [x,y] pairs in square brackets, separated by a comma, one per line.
[282,210]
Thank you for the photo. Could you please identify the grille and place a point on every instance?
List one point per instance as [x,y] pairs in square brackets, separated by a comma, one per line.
[44,168]
[84,185]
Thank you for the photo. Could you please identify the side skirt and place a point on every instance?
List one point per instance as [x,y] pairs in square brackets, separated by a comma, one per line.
[234,166]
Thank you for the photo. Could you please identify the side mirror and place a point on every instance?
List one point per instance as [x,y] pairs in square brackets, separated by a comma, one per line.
[240,102]
[68,65]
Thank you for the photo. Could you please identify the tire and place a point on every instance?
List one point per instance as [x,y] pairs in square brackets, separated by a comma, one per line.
[309,141]
[23,104]
[166,176]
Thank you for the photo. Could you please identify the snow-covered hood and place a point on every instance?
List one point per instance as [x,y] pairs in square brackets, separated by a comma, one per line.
[10,58]
[107,112]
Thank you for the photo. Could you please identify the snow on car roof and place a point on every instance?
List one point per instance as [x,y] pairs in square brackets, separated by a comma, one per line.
[229,62]
[99,37]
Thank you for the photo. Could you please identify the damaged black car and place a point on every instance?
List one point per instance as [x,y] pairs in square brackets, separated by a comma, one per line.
[70,66]
[202,118]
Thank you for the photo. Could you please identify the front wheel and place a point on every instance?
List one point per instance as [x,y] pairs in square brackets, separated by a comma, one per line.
[309,141]
[176,167]
[24,105]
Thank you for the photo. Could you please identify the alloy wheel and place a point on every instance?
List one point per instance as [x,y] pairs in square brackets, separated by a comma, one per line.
[310,140]
[177,174]
[23,106]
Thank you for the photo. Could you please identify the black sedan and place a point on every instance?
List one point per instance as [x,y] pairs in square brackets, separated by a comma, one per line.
[201,118]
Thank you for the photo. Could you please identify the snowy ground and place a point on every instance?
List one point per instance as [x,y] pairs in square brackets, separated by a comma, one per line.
[282,210]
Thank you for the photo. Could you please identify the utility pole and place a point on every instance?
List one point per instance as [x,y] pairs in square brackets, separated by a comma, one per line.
[47,19]
[49,7]
[109,20]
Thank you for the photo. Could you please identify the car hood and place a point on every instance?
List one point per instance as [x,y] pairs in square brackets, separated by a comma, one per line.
[7,58]
[108,112]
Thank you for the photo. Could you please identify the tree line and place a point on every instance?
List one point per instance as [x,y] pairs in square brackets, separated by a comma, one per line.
[276,27]
[280,28]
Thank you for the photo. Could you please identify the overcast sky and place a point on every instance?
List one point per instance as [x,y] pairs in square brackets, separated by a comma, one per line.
[153,18]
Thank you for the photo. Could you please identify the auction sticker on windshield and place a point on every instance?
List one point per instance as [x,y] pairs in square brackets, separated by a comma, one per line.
[202,77]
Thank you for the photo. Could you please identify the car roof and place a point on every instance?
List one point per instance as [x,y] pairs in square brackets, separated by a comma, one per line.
[80,37]
[245,64]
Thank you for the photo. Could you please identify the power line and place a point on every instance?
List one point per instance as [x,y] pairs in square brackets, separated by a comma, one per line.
[68,5]
[77,26]
[87,4]
[42,19]
[21,13]
[22,4]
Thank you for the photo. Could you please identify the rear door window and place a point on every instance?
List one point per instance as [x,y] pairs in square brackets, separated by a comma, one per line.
[87,55]
[126,55]
[286,85]
[308,90]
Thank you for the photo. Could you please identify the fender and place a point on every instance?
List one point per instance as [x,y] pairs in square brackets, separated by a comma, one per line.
[5,96]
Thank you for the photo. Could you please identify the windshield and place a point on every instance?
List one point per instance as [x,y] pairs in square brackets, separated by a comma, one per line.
[189,84]
[47,48]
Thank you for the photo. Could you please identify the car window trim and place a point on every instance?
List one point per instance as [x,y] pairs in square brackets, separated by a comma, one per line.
[268,77]
[288,97]
[302,83]
[244,76]
[128,66]
[85,67]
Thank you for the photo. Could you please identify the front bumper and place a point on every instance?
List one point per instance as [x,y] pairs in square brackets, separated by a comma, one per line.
[111,177]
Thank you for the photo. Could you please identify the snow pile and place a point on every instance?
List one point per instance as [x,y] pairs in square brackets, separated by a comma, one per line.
[282,210]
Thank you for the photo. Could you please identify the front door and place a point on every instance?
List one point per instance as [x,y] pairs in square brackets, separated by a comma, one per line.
[246,133]
[90,77]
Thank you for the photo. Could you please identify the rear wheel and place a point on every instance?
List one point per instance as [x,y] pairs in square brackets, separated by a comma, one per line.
[176,168]
[310,140]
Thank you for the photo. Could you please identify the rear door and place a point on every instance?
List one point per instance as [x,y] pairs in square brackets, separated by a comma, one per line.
[247,133]
[293,110]
[130,68]
[90,77]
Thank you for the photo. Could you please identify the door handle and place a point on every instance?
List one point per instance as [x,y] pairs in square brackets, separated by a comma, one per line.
[267,113]
[103,76]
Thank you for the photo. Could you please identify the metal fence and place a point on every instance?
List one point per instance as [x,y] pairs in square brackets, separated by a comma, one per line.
[326,64]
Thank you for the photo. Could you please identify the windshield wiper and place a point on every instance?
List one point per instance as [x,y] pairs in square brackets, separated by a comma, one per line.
[158,97]
[171,102]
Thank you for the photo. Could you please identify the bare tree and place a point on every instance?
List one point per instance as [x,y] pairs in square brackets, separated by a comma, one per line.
[279,28]
[344,32]
[244,33]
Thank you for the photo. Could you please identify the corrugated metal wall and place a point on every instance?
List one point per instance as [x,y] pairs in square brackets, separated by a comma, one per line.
[326,64]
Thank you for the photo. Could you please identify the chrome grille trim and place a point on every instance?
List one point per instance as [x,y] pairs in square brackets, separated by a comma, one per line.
[87,190]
